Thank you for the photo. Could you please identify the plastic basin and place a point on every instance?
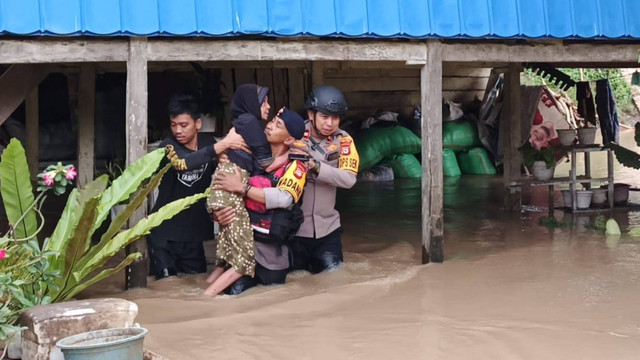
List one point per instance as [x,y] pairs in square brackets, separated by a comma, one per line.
[119,343]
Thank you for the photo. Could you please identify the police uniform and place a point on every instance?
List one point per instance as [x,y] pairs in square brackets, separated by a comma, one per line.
[318,244]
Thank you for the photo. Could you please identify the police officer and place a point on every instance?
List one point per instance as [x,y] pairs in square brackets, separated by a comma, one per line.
[333,164]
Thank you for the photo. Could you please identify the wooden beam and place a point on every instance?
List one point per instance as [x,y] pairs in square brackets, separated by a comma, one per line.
[317,73]
[280,85]
[227,93]
[510,137]
[16,83]
[86,124]
[264,77]
[39,50]
[541,52]
[136,138]
[33,122]
[432,175]
[296,89]
[245,76]
[245,50]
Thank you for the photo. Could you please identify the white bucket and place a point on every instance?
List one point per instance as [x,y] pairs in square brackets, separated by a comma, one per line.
[566,136]
[599,197]
[587,136]
[583,198]
[540,171]
[566,198]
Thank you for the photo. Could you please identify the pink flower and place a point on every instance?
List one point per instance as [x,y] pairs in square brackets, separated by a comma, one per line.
[3,253]
[70,173]
[49,178]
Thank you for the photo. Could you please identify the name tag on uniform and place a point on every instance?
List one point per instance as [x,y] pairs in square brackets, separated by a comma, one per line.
[333,156]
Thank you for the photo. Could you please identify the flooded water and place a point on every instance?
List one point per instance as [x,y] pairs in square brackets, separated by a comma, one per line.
[508,289]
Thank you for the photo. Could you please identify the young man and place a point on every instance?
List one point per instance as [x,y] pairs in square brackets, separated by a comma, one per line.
[334,164]
[176,245]
[278,189]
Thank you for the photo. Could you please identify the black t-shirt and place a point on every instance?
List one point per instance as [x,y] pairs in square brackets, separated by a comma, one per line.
[194,223]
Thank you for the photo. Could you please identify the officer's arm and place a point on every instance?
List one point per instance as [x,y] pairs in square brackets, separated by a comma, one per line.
[344,176]
[336,177]
[277,198]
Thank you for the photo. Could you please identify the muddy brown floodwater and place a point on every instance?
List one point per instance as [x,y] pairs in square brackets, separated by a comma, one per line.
[508,289]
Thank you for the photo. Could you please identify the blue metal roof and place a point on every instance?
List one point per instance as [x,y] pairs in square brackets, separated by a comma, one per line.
[564,19]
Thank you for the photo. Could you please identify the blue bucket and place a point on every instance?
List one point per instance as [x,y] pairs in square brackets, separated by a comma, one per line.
[119,343]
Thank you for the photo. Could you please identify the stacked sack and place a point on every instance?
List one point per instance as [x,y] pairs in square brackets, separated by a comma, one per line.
[462,151]
[389,147]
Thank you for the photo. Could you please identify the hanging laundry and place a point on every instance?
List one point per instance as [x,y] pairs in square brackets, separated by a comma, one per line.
[607,112]
[586,108]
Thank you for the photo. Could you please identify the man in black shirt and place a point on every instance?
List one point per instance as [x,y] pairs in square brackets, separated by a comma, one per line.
[176,245]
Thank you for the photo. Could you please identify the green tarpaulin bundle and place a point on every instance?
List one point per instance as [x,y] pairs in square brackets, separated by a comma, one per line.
[460,135]
[376,143]
[476,162]
[450,163]
[404,166]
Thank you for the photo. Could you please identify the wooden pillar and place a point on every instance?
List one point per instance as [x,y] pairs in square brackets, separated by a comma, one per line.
[317,73]
[432,175]
[32,119]
[86,124]
[136,139]
[227,92]
[296,90]
[511,138]
[16,83]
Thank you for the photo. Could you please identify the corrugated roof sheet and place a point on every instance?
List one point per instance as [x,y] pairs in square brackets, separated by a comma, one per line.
[563,19]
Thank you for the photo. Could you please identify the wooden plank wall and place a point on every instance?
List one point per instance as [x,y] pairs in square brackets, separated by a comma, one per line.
[372,87]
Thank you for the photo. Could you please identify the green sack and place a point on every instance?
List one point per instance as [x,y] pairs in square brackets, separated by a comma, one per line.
[376,143]
[450,163]
[476,162]
[460,135]
[404,166]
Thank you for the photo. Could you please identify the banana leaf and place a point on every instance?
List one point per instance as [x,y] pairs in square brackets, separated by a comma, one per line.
[625,156]
[107,248]
[135,202]
[101,276]
[123,186]
[16,190]
[75,247]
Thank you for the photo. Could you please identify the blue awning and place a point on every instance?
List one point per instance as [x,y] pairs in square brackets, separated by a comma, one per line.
[419,19]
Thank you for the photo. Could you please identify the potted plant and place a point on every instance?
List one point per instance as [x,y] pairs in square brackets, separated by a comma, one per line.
[541,162]
[586,133]
[34,272]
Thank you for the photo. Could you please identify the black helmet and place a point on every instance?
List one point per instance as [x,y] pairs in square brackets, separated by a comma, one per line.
[326,99]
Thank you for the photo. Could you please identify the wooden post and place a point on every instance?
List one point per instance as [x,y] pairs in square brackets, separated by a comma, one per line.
[33,157]
[317,73]
[227,93]
[511,138]
[264,77]
[279,90]
[86,124]
[296,90]
[16,83]
[432,175]
[136,139]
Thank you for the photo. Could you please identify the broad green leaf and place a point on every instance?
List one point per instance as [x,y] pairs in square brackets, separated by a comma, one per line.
[136,201]
[104,250]
[76,245]
[625,156]
[130,180]
[612,227]
[15,186]
[92,189]
[101,276]
[64,228]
